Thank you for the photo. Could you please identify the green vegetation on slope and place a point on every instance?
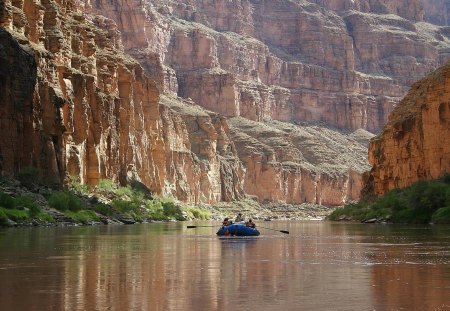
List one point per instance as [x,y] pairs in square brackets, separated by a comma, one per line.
[20,209]
[90,205]
[422,202]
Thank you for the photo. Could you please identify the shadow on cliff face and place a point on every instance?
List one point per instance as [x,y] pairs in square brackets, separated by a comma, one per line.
[17,82]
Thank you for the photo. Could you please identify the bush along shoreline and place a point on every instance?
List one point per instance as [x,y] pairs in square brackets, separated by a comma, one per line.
[26,201]
[422,203]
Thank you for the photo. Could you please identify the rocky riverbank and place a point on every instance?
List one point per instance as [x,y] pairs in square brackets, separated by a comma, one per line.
[280,211]
[25,204]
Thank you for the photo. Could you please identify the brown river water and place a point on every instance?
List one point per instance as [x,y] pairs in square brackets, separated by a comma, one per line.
[166,266]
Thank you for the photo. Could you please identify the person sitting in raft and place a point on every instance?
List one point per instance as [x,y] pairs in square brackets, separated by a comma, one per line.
[250,223]
[239,218]
[227,222]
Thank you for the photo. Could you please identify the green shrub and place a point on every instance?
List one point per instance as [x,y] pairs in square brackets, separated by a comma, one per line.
[447,200]
[172,210]
[445,178]
[77,186]
[24,202]
[138,186]
[197,213]
[75,204]
[106,187]
[356,211]
[16,215]
[46,194]
[415,204]
[102,209]
[64,200]
[7,201]
[59,201]
[412,216]
[3,217]
[427,195]
[138,216]
[28,203]
[124,191]
[155,210]
[42,216]
[164,209]
[84,216]
[441,216]
[34,211]
[123,206]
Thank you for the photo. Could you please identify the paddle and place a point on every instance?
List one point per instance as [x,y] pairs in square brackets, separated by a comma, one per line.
[282,231]
[189,227]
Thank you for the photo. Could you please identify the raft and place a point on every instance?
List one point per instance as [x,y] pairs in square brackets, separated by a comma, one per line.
[237,229]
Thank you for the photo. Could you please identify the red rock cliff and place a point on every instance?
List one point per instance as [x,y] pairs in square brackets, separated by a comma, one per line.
[290,61]
[437,11]
[408,9]
[72,103]
[284,60]
[91,90]
[415,143]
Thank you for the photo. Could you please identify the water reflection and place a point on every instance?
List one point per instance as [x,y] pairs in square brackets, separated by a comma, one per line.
[319,266]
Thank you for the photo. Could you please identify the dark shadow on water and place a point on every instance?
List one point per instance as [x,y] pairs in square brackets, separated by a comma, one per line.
[237,242]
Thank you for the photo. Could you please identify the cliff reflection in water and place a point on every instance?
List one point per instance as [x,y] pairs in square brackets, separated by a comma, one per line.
[167,267]
[411,270]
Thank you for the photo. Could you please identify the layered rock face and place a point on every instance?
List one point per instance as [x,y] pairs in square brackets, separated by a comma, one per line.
[437,11]
[73,104]
[94,90]
[285,60]
[408,9]
[414,144]
[295,164]
[344,63]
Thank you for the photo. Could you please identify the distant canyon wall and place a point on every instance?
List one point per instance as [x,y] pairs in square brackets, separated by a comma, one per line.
[408,9]
[437,11]
[291,61]
[284,60]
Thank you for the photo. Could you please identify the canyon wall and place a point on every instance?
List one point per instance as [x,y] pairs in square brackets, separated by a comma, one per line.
[295,164]
[74,104]
[208,100]
[283,60]
[343,63]
[437,11]
[414,144]
[408,9]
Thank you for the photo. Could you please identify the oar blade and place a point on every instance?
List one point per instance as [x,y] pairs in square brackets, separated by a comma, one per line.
[284,231]
[189,227]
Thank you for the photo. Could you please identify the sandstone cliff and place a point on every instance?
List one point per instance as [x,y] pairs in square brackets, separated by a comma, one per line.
[345,63]
[73,104]
[283,60]
[295,164]
[437,11]
[110,89]
[414,144]
[408,9]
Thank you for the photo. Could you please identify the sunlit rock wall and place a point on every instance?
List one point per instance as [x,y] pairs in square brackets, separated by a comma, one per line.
[74,104]
[91,91]
[345,63]
[414,144]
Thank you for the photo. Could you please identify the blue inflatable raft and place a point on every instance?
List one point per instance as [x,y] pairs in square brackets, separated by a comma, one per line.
[237,229]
